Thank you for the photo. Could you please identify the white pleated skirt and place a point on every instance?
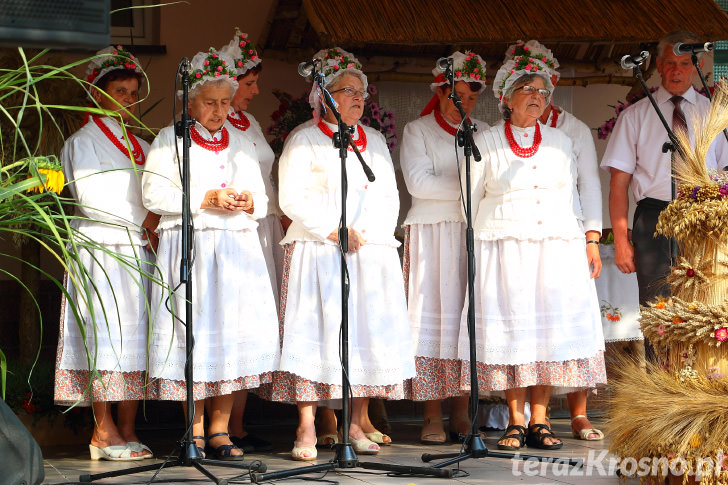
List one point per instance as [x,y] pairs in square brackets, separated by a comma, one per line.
[113,327]
[537,319]
[435,268]
[380,342]
[436,284]
[234,319]
[270,233]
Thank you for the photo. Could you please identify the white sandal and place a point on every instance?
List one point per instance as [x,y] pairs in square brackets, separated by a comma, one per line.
[113,453]
[584,433]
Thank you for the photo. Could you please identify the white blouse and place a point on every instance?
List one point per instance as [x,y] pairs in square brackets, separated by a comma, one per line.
[266,157]
[234,167]
[525,198]
[429,163]
[106,184]
[310,188]
[587,168]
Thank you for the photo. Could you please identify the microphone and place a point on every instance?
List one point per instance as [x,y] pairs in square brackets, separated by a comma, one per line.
[629,61]
[680,49]
[306,67]
[443,63]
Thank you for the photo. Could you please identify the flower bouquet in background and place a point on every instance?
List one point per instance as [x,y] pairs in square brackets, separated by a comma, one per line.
[379,118]
[604,130]
[292,112]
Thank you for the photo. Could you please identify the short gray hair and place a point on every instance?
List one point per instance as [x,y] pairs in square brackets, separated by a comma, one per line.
[521,81]
[198,88]
[674,37]
[352,72]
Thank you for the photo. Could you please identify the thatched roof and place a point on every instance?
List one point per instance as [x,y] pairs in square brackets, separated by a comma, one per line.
[588,35]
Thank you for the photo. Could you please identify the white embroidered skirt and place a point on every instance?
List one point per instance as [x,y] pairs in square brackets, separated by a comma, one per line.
[234,320]
[536,310]
[380,344]
[114,327]
[270,233]
[435,266]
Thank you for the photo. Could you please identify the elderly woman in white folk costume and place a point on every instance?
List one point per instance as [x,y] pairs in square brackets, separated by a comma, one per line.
[435,262]
[235,324]
[381,356]
[538,327]
[247,67]
[590,199]
[106,185]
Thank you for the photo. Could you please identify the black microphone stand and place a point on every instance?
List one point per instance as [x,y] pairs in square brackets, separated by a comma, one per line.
[473,445]
[672,146]
[345,456]
[694,58]
[188,453]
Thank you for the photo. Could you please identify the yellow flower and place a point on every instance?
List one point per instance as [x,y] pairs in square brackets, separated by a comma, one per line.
[55,179]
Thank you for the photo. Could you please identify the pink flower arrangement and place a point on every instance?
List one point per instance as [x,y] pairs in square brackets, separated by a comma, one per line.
[721,335]
[292,112]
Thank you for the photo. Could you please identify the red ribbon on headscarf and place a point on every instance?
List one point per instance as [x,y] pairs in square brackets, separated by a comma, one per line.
[434,102]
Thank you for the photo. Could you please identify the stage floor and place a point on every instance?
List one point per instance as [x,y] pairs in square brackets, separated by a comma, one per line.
[65,465]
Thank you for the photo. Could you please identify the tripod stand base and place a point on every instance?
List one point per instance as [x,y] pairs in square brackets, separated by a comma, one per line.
[196,463]
[476,449]
[346,458]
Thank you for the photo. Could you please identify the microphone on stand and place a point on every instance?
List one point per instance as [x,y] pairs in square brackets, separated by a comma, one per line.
[443,63]
[630,61]
[306,67]
[680,49]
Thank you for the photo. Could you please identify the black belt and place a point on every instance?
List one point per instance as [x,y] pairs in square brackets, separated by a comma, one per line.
[648,203]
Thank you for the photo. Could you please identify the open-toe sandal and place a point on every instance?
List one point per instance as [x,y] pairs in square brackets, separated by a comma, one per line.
[327,440]
[535,438]
[200,449]
[304,453]
[583,434]
[223,452]
[364,447]
[379,438]
[520,436]
[436,438]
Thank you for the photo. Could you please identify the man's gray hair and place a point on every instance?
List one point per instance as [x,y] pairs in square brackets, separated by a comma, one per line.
[674,37]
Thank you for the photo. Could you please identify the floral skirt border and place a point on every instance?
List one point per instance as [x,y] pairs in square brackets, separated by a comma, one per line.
[564,376]
[72,386]
[173,390]
[436,379]
[288,387]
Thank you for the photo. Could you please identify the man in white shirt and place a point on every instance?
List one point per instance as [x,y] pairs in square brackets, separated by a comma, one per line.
[635,159]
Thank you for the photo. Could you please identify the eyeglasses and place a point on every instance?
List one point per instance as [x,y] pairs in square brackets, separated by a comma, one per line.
[545,93]
[351,92]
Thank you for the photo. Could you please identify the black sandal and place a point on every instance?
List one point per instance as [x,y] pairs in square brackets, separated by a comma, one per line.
[223,452]
[200,449]
[520,436]
[535,438]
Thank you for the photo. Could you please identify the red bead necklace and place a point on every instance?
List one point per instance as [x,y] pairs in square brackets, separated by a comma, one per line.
[137,152]
[555,117]
[242,123]
[444,124]
[360,142]
[518,150]
[212,145]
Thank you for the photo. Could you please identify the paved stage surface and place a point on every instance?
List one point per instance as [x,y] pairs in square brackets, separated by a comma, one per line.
[65,465]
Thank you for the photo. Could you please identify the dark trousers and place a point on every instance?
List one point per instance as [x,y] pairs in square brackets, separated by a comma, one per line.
[651,256]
